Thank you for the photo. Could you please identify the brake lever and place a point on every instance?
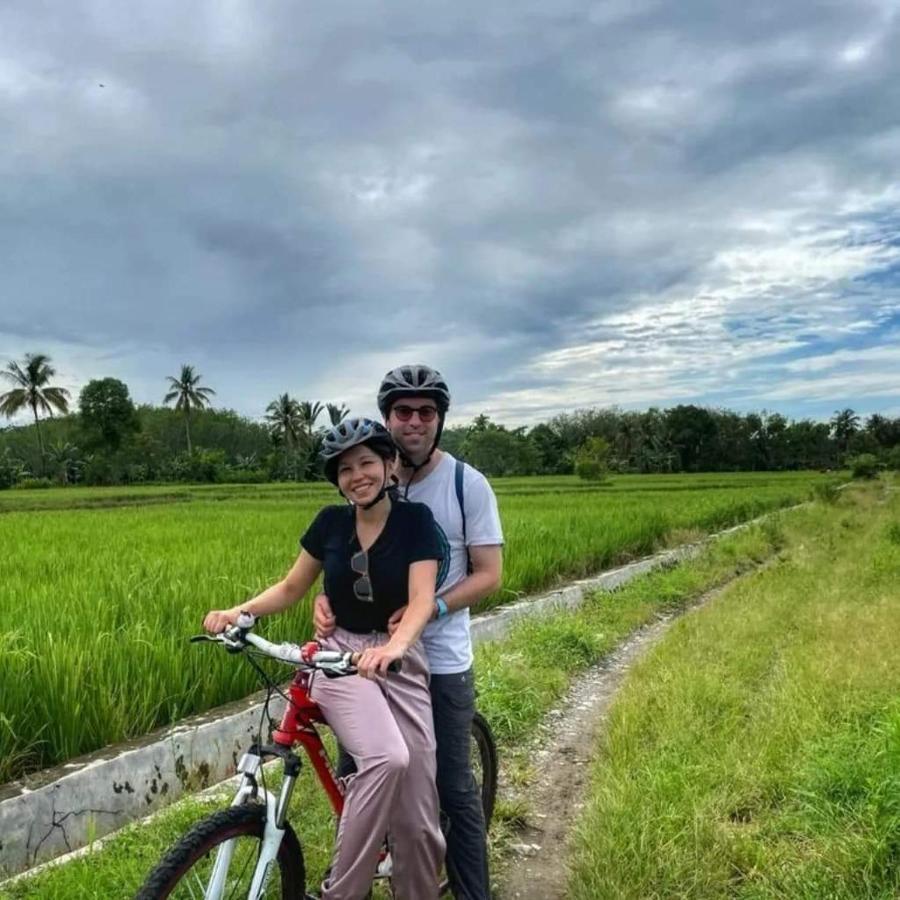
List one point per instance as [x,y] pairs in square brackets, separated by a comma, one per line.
[231,645]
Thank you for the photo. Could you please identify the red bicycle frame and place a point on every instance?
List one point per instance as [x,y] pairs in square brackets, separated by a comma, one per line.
[298,726]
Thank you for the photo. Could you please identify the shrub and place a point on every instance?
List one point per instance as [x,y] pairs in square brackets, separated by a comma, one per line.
[826,492]
[30,484]
[865,465]
[592,459]
[11,470]
[892,458]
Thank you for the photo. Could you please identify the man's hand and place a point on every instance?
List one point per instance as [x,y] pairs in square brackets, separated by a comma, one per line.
[323,618]
[394,620]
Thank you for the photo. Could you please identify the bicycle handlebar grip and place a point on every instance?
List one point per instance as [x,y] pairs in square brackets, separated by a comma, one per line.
[394,666]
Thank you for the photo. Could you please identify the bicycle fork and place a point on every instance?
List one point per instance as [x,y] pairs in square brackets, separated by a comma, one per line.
[276,814]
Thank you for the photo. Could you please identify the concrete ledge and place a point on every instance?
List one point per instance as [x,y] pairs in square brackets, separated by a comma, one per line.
[59,810]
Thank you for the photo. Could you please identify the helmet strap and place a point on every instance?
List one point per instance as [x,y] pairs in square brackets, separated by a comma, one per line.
[409,464]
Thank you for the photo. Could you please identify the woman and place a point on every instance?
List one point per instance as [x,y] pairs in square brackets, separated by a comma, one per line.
[377,555]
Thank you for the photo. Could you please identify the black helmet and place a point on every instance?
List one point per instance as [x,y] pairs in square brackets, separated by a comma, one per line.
[351,433]
[413,381]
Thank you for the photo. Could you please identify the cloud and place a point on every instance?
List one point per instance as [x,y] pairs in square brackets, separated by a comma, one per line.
[557,205]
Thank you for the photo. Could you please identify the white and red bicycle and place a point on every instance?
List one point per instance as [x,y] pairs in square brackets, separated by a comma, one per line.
[250,849]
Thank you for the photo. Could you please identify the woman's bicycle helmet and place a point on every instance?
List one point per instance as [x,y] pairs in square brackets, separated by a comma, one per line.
[352,433]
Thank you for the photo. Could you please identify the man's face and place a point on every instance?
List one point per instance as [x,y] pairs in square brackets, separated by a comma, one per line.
[413,424]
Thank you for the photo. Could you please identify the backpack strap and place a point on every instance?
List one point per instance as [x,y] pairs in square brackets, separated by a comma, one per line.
[460,498]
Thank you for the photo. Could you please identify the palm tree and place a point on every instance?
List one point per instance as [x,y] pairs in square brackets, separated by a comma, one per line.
[309,412]
[844,424]
[285,423]
[66,461]
[337,413]
[32,390]
[188,395]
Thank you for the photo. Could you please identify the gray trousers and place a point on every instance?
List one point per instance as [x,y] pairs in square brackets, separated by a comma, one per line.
[388,729]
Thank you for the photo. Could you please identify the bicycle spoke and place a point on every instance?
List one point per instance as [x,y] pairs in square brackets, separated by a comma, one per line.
[199,885]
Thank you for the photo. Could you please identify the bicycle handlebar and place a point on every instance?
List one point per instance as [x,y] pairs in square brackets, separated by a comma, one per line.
[236,638]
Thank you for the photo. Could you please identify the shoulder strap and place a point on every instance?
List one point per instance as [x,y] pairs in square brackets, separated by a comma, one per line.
[460,498]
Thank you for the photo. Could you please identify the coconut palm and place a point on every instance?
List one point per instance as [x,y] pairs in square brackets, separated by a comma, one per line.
[309,412]
[337,413]
[65,461]
[31,389]
[285,422]
[844,424]
[187,395]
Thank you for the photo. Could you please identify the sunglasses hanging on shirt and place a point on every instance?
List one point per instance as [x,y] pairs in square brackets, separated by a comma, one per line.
[362,587]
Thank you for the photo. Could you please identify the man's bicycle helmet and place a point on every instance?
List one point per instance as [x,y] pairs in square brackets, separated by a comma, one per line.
[351,433]
[413,381]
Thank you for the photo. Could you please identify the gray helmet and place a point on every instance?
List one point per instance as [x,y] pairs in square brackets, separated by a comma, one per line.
[351,433]
[413,381]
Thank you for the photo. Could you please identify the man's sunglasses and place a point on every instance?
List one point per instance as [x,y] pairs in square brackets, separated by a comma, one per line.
[362,587]
[404,413]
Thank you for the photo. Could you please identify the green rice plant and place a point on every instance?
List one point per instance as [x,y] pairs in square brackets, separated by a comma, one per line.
[96,604]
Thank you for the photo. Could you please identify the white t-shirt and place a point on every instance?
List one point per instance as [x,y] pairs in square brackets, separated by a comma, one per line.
[448,641]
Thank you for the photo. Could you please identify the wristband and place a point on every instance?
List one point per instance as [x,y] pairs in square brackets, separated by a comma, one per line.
[441,605]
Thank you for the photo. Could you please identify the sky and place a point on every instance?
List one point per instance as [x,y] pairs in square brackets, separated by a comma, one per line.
[557,204]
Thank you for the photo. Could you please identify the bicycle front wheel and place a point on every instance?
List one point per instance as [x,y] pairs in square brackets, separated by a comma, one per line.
[184,872]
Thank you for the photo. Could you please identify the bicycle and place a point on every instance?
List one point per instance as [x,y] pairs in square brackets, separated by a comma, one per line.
[250,849]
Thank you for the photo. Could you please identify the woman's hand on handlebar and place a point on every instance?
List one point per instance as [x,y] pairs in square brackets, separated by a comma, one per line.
[217,620]
[374,661]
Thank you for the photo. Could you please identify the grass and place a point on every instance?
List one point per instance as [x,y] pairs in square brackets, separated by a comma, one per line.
[96,604]
[519,679]
[756,752]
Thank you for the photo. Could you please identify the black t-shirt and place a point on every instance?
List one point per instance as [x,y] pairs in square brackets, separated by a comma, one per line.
[409,535]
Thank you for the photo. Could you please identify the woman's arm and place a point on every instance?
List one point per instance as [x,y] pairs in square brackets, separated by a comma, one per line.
[273,599]
[422,576]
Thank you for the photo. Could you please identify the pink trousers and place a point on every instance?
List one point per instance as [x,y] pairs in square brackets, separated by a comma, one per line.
[387,727]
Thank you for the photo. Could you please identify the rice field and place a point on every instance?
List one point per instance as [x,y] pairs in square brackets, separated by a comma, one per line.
[99,589]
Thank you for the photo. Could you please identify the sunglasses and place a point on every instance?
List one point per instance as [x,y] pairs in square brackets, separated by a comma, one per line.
[362,587]
[405,413]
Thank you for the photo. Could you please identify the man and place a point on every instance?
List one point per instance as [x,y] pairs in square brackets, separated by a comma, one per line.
[414,401]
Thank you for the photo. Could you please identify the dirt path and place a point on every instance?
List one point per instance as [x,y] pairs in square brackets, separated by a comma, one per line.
[563,749]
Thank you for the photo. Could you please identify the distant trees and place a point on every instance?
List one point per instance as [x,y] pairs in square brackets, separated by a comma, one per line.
[111,441]
[309,411]
[285,420]
[337,412]
[844,424]
[107,414]
[592,459]
[187,394]
[31,389]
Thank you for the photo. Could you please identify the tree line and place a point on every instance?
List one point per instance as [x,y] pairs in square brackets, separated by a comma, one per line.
[106,439]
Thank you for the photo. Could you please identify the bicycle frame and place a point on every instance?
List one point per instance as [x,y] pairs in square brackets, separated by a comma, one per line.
[297,726]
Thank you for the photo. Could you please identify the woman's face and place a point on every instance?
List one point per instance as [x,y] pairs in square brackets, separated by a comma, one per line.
[361,474]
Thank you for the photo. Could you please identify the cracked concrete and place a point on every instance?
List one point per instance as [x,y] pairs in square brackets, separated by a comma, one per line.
[61,809]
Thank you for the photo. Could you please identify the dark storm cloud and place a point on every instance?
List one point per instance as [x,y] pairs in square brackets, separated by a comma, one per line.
[515,190]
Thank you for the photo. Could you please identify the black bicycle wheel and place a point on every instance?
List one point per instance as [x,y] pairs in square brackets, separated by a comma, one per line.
[184,871]
[484,765]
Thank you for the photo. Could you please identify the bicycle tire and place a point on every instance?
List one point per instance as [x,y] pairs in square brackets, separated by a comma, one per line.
[486,747]
[247,821]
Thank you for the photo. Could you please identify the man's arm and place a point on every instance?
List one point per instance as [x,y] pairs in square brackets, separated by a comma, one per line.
[485,578]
